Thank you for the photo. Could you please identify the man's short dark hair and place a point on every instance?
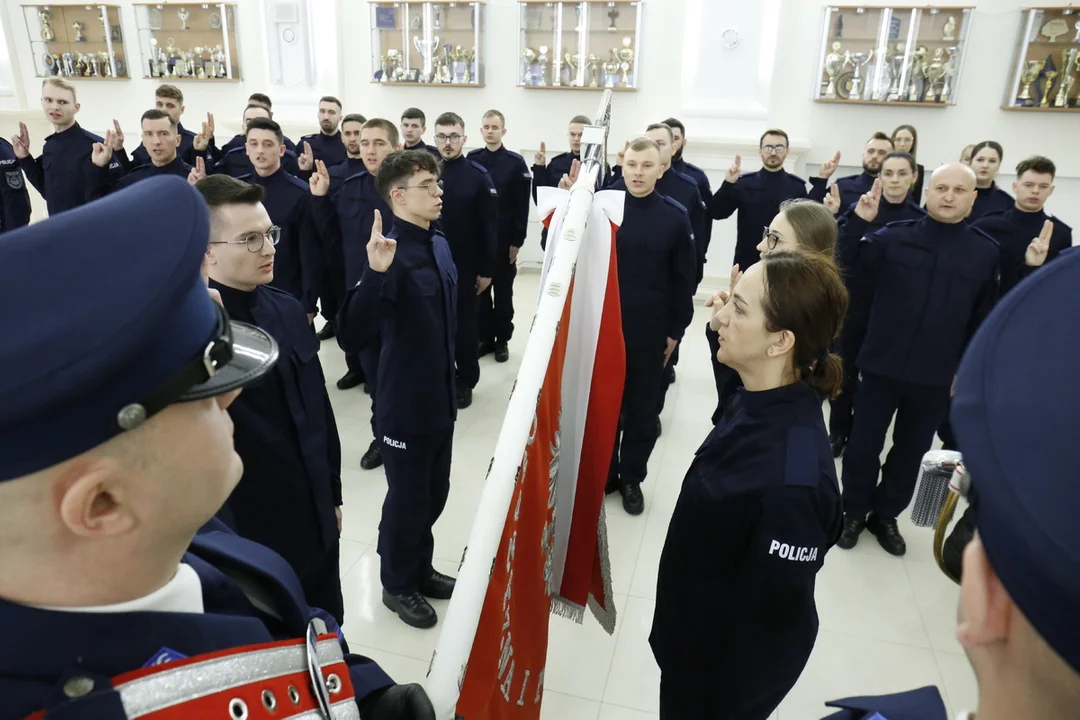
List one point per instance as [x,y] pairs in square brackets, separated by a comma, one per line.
[415,114]
[580,119]
[170,92]
[448,119]
[1037,164]
[495,113]
[266,124]
[354,117]
[662,126]
[381,124]
[774,131]
[256,105]
[905,156]
[331,99]
[261,99]
[880,136]
[155,114]
[676,123]
[401,165]
[222,190]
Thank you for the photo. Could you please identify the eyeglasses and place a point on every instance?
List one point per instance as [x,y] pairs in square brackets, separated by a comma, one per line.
[254,240]
[771,238]
[431,187]
[774,148]
[452,138]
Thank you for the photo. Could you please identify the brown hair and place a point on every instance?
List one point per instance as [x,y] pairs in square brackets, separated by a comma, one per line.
[449,119]
[169,91]
[900,154]
[880,136]
[62,84]
[401,165]
[804,294]
[222,190]
[155,114]
[995,146]
[261,99]
[1037,164]
[774,131]
[380,124]
[330,99]
[914,138]
[265,124]
[354,117]
[813,223]
[415,114]
[495,113]
[643,143]
[662,126]
[580,119]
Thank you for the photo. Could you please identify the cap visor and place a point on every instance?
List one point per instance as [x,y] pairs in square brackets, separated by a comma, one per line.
[254,353]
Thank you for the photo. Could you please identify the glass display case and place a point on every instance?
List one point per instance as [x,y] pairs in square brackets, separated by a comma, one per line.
[188,41]
[892,55]
[580,45]
[428,43]
[76,41]
[1047,63]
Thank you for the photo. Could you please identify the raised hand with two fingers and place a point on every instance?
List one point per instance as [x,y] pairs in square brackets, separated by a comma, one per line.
[380,249]
[832,199]
[320,180]
[21,142]
[869,203]
[567,181]
[198,172]
[102,152]
[829,167]
[733,172]
[1037,250]
[306,161]
[541,155]
[117,137]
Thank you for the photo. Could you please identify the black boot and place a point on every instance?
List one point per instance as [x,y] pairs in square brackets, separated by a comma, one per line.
[327,331]
[633,501]
[839,443]
[486,348]
[413,609]
[350,380]
[659,428]
[438,586]
[464,398]
[853,527]
[502,353]
[887,533]
[372,458]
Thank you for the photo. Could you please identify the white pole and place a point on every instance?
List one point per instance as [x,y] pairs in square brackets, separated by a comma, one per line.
[463,614]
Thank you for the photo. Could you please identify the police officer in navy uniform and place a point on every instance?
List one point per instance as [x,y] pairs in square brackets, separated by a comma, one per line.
[160,138]
[413,127]
[115,454]
[60,173]
[759,507]
[853,187]
[512,181]
[470,222]
[898,172]
[284,428]
[549,174]
[405,301]
[325,145]
[298,265]
[263,100]
[920,288]
[14,199]
[169,99]
[657,265]
[234,159]
[1019,591]
[679,164]
[345,215]
[757,196]
[986,160]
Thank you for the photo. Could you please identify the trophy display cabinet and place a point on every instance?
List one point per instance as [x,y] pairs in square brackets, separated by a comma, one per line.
[428,43]
[589,45]
[188,41]
[82,42]
[892,55]
[1045,73]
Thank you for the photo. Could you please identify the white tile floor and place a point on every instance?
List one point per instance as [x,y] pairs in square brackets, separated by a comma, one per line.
[886,623]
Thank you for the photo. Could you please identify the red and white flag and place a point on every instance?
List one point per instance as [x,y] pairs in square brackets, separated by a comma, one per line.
[553,556]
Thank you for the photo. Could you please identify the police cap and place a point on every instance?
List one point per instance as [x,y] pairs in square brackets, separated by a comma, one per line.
[106,320]
[1016,415]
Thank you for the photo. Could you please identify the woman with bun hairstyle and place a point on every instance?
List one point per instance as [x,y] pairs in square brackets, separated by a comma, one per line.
[760,506]
[986,160]
[906,139]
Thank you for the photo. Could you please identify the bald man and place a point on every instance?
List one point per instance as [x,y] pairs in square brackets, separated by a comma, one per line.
[919,290]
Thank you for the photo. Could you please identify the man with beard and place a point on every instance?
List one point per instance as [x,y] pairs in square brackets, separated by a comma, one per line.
[234,158]
[854,187]
[325,145]
[678,164]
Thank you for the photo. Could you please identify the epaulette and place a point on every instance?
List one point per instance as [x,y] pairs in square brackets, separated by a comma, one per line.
[676,204]
[478,166]
[297,182]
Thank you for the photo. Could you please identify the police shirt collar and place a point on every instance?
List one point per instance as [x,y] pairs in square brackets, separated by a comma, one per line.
[455,161]
[642,202]
[234,297]
[72,131]
[404,228]
[940,227]
[763,399]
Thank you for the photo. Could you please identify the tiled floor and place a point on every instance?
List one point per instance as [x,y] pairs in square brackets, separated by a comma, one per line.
[886,623]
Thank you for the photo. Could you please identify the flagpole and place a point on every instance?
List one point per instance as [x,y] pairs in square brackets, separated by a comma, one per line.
[463,614]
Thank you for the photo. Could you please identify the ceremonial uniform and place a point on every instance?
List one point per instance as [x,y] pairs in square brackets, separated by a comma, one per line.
[512,180]
[703,235]
[234,160]
[470,223]
[185,152]
[330,150]
[14,199]
[299,261]
[285,432]
[656,265]
[758,510]
[59,174]
[853,187]
[102,181]
[1014,229]
[549,176]
[327,148]
[410,310]
[79,374]
[424,146]
[757,197]
[991,200]
[922,704]
[919,289]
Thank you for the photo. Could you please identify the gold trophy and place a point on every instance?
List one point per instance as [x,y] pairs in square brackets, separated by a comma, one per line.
[1068,59]
[950,70]
[47,33]
[79,37]
[529,56]
[1048,86]
[542,61]
[573,63]
[625,55]
[593,67]
[918,71]
[935,74]
[1031,73]
[834,63]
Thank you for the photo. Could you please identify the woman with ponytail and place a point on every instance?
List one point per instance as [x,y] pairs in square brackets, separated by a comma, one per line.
[760,505]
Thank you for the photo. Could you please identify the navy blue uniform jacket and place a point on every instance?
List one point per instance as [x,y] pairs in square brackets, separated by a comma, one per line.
[513,182]
[411,309]
[234,160]
[1014,230]
[924,703]
[424,146]
[990,200]
[14,199]
[920,290]
[657,267]
[757,197]
[102,181]
[105,645]
[704,236]
[327,148]
[683,190]
[345,216]
[470,217]
[853,187]
[851,228]
[298,265]
[60,173]
[286,435]
[759,508]
[186,150]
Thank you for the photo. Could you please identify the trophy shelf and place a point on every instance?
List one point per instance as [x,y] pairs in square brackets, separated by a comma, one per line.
[76,42]
[880,103]
[1040,109]
[188,41]
[574,87]
[410,83]
[1046,70]
[424,43]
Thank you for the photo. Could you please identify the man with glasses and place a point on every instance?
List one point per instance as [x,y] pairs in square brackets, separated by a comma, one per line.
[470,221]
[404,304]
[757,196]
[299,259]
[289,498]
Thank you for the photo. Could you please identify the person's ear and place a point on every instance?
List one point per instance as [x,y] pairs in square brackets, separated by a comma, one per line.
[178,139]
[77,107]
[985,605]
[1015,186]
[93,500]
[783,344]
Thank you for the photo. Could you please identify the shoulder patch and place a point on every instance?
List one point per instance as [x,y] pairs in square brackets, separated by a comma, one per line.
[478,166]
[978,231]
[674,203]
[236,150]
[297,182]
[356,176]
[802,455]
[516,156]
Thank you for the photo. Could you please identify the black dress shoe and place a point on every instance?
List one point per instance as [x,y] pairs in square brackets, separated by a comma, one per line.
[888,534]
[853,527]
[671,376]
[414,609]
[464,398]
[633,501]
[327,331]
[367,389]
[502,353]
[659,428]
[373,457]
[839,443]
[438,586]
[486,348]
[350,380]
